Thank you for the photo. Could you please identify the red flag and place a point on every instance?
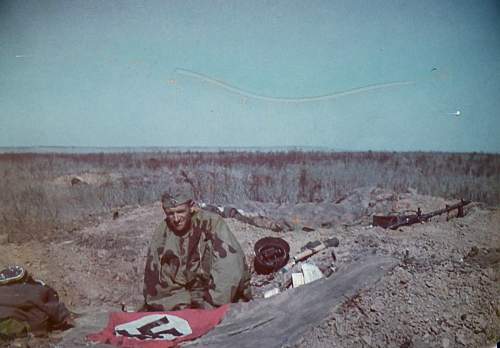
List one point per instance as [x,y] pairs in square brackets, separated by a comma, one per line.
[158,329]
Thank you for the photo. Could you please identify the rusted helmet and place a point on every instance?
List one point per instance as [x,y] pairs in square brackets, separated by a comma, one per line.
[271,254]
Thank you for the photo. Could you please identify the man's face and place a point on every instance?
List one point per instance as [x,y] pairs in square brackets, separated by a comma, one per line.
[179,217]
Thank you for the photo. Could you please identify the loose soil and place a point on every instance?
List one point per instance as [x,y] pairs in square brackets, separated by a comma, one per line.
[443,292]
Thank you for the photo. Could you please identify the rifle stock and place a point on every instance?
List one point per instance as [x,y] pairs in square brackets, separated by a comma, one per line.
[311,249]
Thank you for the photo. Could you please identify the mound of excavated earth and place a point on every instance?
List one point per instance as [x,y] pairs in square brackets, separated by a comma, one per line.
[426,285]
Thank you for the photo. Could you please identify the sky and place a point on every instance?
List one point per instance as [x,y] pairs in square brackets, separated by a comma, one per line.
[348,75]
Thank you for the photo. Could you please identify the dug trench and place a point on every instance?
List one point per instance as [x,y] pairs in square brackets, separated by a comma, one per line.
[426,285]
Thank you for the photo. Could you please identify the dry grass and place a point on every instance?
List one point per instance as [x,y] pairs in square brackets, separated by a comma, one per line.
[37,194]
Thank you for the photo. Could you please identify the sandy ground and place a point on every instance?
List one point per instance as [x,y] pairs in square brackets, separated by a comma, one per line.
[443,293]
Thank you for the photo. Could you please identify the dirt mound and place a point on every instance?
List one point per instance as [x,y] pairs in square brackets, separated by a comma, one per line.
[96,179]
[443,292]
[353,208]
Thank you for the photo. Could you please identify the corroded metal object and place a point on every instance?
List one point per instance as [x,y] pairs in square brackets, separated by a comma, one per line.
[271,254]
[395,221]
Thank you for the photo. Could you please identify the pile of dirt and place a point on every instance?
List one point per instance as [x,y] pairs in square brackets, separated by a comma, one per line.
[96,179]
[443,292]
[353,208]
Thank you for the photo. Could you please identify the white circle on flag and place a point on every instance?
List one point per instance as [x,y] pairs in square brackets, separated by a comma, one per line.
[156,327]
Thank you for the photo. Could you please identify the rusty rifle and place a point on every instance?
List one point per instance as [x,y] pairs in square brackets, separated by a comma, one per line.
[406,220]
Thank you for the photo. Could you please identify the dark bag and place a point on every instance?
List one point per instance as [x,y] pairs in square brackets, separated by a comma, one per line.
[32,304]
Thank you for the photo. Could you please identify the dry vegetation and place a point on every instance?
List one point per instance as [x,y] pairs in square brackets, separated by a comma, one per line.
[442,292]
[44,192]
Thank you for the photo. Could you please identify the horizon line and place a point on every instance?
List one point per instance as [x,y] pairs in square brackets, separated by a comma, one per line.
[138,149]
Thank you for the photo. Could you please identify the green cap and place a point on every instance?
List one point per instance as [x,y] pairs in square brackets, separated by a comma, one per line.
[177,195]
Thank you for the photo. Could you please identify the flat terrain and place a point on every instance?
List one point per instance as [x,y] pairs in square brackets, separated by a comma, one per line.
[443,292]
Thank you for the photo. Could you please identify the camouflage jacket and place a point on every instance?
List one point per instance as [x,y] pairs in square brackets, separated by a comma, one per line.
[204,268]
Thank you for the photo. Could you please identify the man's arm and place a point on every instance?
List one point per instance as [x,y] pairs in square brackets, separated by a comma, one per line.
[229,267]
[152,269]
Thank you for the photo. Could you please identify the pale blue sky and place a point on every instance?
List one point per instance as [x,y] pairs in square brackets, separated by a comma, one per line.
[104,73]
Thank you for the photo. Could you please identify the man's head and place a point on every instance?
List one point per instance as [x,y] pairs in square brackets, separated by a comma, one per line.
[178,204]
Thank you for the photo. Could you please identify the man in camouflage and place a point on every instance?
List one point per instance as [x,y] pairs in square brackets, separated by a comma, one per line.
[194,260]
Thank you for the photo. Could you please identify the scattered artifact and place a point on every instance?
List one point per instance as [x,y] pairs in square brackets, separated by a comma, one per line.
[76,180]
[12,274]
[395,221]
[310,249]
[276,225]
[28,306]
[297,279]
[310,272]
[271,254]
[272,292]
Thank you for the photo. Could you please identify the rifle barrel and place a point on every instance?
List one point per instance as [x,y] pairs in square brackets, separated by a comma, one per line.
[412,219]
